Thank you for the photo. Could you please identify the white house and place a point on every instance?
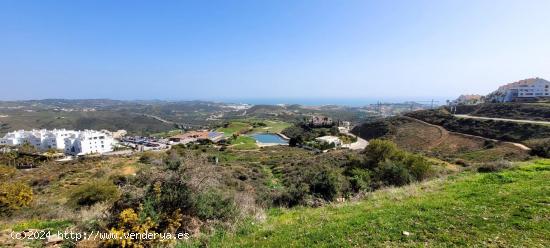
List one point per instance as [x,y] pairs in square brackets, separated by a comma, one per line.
[330,140]
[71,142]
[523,89]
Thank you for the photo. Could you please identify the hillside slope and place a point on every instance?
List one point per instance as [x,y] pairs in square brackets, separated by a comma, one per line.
[417,136]
[501,130]
[503,209]
[526,111]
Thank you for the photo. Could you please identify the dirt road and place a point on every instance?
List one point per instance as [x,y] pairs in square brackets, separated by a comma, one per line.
[503,119]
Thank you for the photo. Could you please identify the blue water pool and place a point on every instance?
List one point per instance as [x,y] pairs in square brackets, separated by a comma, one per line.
[269,138]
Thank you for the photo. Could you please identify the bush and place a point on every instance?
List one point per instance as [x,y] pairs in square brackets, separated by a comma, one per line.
[13,196]
[295,141]
[360,179]
[326,184]
[295,194]
[94,192]
[170,195]
[393,173]
[488,144]
[540,147]
[392,166]
[6,172]
[130,222]
[146,158]
[378,151]
[462,162]
[418,166]
[173,164]
[149,157]
[119,180]
[213,205]
[494,166]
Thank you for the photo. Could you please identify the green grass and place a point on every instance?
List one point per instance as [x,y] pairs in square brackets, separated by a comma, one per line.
[53,225]
[245,126]
[244,142]
[505,209]
[271,127]
[235,127]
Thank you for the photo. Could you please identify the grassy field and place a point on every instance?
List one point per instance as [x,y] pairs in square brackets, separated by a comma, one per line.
[246,126]
[235,127]
[503,209]
[244,143]
[271,127]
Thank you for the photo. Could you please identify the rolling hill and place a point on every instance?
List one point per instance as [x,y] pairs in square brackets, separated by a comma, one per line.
[418,136]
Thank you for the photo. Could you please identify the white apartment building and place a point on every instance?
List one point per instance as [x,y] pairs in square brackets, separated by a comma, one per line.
[523,89]
[69,141]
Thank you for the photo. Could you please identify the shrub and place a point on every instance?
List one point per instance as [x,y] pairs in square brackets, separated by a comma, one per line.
[13,196]
[213,205]
[380,150]
[294,195]
[146,157]
[149,157]
[326,184]
[418,166]
[462,162]
[170,195]
[295,141]
[494,166]
[129,222]
[173,164]
[92,193]
[360,179]
[488,144]
[540,147]
[393,173]
[119,180]
[6,172]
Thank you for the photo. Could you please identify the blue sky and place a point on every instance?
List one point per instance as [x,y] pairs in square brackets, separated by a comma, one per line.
[182,50]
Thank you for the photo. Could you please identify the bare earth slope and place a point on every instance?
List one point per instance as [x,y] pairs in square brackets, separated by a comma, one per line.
[418,136]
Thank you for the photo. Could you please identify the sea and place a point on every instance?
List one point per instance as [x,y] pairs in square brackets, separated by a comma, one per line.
[352,102]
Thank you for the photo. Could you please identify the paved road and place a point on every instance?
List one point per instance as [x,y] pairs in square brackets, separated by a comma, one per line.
[504,119]
[360,144]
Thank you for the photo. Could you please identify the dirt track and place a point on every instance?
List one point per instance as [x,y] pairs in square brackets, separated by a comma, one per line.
[503,119]
[445,134]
